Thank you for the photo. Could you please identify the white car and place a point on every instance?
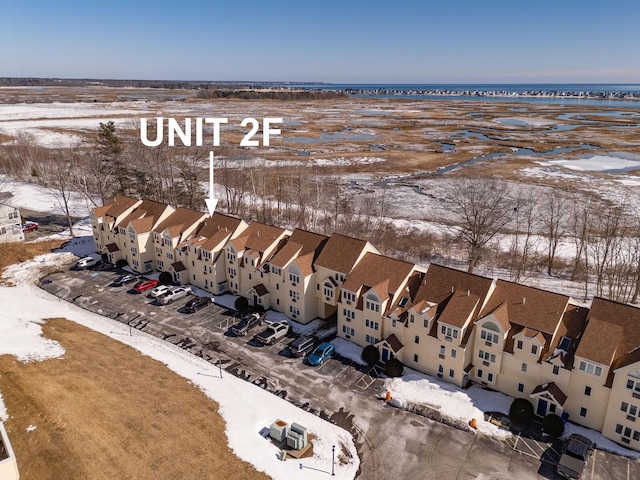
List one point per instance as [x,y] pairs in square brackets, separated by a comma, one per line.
[174,294]
[86,262]
[160,290]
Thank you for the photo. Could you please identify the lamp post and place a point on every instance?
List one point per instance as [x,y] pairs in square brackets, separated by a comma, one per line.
[333,461]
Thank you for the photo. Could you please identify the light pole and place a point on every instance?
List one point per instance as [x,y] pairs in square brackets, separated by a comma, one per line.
[333,461]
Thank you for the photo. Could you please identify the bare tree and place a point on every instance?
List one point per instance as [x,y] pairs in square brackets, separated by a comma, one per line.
[525,221]
[481,208]
[553,217]
[57,175]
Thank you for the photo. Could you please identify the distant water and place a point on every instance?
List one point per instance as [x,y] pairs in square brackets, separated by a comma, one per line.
[528,93]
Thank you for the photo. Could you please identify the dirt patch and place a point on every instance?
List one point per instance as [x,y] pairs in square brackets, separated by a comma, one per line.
[105,411]
[18,252]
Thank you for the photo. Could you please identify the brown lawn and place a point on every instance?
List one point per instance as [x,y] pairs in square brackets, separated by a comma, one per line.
[105,411]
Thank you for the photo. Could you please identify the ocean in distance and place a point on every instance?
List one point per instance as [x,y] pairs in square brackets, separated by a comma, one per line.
[547,93]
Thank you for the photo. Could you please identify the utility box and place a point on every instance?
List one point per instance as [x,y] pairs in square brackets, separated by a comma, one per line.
[297,436]
[279,430]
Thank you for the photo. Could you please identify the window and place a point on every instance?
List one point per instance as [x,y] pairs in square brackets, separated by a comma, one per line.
[412,318]
[160,264]
[587,391]
[134,250]
[276,271]
[328,292]
[449,331]
[556,369]
[348,297]
[295,311]
[524,367]
[294,295]
[232,272]
[552,408]
[490,377]
[633,385]
[618,428]
[349,314]
[534,349]
[158,250]
[453,353]
[372,303]
[135,263]
[624,407]
[348,331]
[206,255]
[169,256]
[132,238]
[372,324]
[440,369]
[479,373]
[416,339]
[489,336]
[231,256]
[166,242]
[425,323]
[394,322]
[442,351]
[519,345]
[452,372]
[486,356]
[590,368]
[371,340]
[521,387]
[294,278]
[583,412]
[249,276]
[415,357]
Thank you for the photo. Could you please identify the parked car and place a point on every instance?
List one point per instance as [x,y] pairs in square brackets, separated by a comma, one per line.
[144,285]
[321,354]
[197,303]
[575,455]
[124,279]
[174,294]
[160,290]
[248,323]
[29,227]
[276,331]
[302,345]
[86,262]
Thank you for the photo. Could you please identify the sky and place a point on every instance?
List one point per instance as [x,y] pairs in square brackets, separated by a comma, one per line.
[347,41]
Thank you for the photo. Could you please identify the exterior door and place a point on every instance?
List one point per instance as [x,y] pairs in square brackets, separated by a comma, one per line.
[255,300]
[385,354]
[542,407]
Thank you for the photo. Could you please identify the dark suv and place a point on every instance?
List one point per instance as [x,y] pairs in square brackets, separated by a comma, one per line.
[302,345]
[196,304]
[575,455]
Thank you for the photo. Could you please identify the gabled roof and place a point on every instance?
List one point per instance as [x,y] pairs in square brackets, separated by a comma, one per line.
[393,342]
[553,390]
[286,254]
[383,273]
[179,221]
[340,253]
[572,326]
[112,247]
[257,236]
[528,306]
[458,309]
[178,267]
[612,335]
[115,207]
[149,211]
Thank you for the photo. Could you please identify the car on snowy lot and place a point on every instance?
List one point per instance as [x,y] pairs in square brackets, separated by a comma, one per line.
[248,323]
[197,303]
[123,280]
[29,227]
[274,332]
[160,290]
[302,345]
[321,354]
[86,262]
[144,285]
[174,294]
[576,452]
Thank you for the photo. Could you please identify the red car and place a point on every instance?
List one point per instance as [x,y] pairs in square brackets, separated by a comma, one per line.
[143,285]
[29,227]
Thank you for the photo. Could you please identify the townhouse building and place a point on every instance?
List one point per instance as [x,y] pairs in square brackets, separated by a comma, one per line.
[10,224]
[168,235]
[204,252]
[291,279]
[338,258]
[103,224]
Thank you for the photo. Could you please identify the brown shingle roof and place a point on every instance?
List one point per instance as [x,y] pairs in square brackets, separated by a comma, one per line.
[260,237]
[458,309]
[214,227]
[528,306]
[612,335]
[147,209]
[340,253]
[112,247]
[178,267]
[395,344]
[552,389]
[120,204]
[179,221]
[573,324]
[260,290]
[286,254]
[311,242]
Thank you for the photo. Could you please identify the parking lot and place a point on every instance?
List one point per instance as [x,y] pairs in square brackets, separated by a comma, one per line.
[340,391]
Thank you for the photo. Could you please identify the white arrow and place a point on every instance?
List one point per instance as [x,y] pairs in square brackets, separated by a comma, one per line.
[211,202]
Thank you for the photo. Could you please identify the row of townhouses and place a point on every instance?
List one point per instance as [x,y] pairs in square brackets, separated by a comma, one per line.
[526,342]
[10,224]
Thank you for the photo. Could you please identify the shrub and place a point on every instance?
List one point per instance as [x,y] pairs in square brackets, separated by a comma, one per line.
[121,263]
[241,304]
[521,411]
[165,278]
[371,355]
[393,368]
[257,309]
[552,425]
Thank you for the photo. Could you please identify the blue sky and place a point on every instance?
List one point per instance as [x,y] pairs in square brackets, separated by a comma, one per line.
[449,41]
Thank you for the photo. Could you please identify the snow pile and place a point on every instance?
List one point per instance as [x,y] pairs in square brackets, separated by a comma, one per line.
[4,416]
[417,388]
[349,350]
[601,442]
[619,162]
[246,408]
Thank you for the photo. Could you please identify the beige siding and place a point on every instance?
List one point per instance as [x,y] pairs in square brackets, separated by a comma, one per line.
[622,422]
[595,403]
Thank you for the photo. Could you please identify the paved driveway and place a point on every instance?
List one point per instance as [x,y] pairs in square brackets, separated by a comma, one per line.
[392,443]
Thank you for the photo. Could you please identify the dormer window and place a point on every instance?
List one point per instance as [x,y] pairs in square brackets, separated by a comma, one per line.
[489,337]
[231,255]
[449,332]
[590,368]
[564,344]
[403,301]
[372,303]
[328,290]
[294,276]
[348,297]
[276,270]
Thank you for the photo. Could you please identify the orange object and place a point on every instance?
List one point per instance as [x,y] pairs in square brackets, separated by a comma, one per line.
[387,397]
[473,423]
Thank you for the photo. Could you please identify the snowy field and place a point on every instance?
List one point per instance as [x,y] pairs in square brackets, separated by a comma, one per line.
[246,408]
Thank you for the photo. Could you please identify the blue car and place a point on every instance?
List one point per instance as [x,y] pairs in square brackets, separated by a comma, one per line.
[321,354]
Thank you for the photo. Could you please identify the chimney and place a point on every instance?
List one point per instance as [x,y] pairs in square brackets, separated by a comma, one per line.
[452,289]
[524,300]
[468,293]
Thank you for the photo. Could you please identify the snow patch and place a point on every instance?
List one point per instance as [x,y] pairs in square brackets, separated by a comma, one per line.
[349,350]
[31,428]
